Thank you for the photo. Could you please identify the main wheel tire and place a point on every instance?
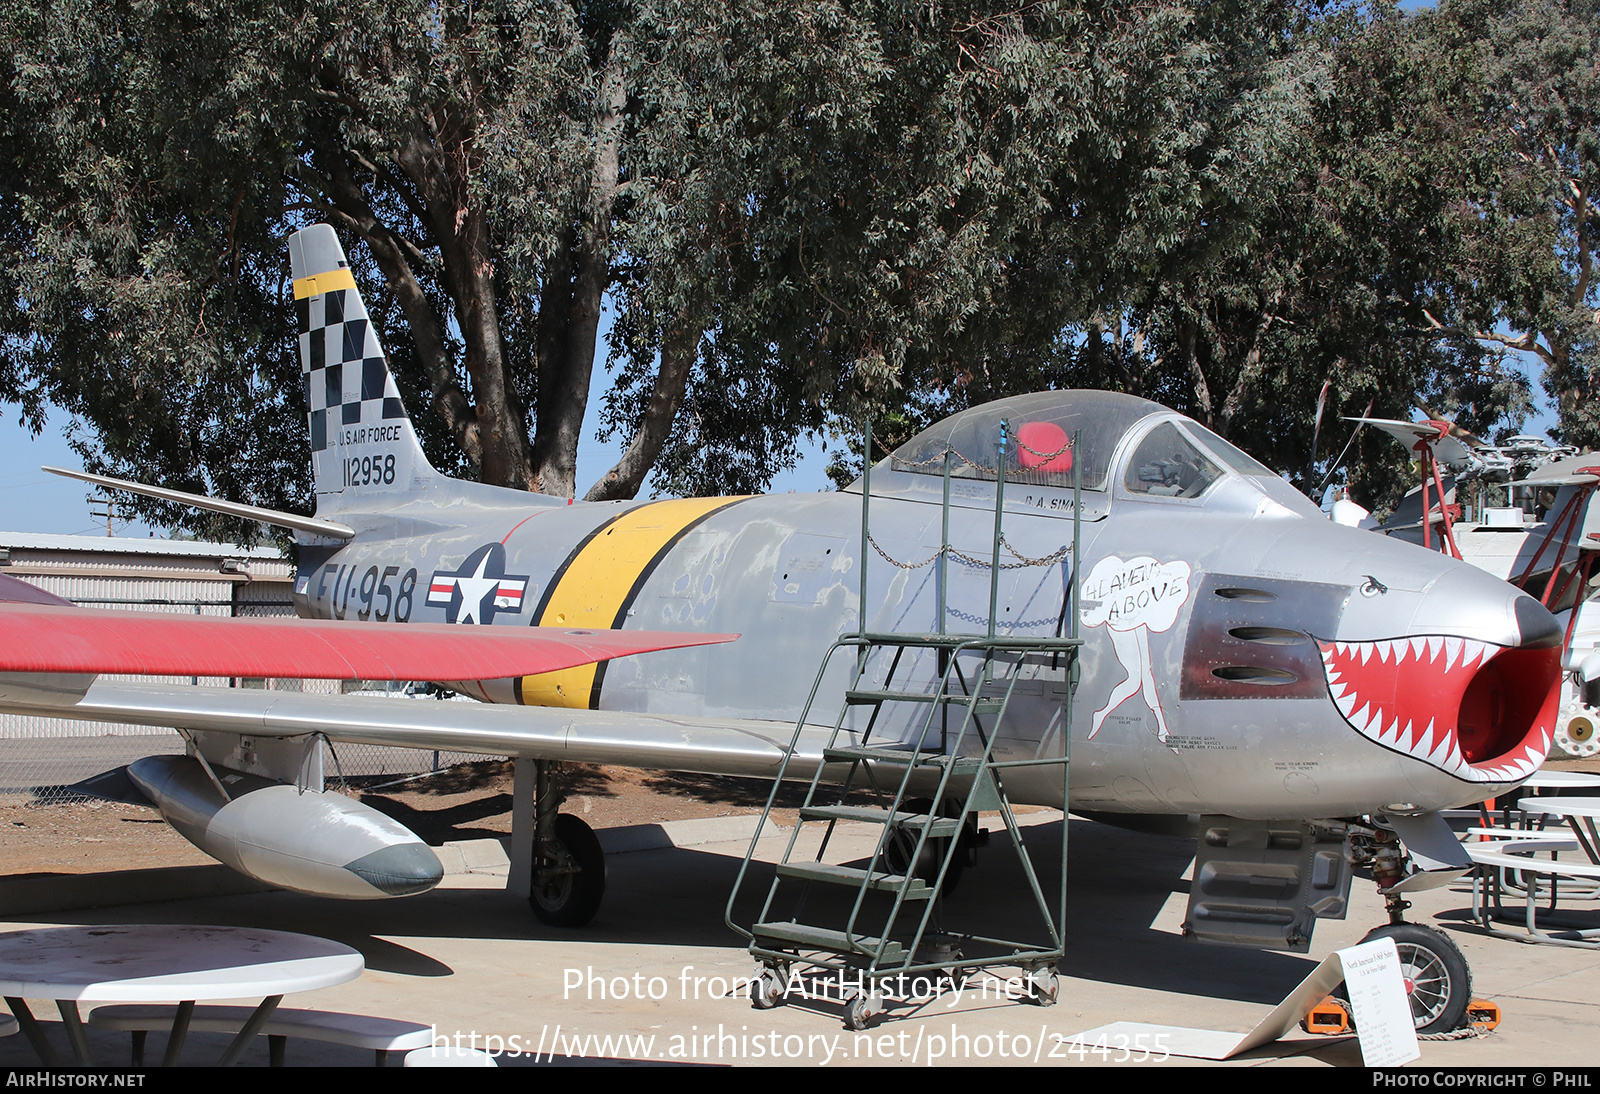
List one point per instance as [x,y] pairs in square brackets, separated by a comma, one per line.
[570,895]
[1438,982]
[904,840]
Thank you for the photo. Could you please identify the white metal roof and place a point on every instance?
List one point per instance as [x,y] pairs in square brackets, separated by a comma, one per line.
[38,541]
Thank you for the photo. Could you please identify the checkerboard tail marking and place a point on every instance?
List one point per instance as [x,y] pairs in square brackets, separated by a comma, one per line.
[362,440]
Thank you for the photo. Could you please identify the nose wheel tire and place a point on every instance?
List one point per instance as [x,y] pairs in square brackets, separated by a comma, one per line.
[569,880]
[1438,982]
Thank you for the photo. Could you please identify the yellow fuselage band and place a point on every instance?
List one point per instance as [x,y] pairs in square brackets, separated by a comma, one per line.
[600,580]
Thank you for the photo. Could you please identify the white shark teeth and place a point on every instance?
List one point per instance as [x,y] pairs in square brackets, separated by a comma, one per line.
[1441,754]
[1452,650]
[1458,652]
[1517,769]
[1435,745]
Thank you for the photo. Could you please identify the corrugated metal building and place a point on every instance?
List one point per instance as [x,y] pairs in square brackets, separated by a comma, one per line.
[153,574]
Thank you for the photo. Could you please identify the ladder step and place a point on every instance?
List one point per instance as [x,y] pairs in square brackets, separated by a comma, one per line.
[915,888]
[805,936]
[937,826]
[859,698]
[972,641]
[964,765]
[872,698]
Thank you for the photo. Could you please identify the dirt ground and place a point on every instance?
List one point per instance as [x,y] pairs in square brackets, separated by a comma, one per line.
[472,801]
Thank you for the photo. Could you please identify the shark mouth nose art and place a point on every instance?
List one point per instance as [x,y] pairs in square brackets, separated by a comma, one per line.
[1481,712]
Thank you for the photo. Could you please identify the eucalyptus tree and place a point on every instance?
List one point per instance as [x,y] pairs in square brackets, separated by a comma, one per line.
[801,212]
[797,206]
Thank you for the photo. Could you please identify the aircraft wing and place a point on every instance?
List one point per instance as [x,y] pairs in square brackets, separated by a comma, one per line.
[726,746]
[1446,449]
[1579,470]
[59,638]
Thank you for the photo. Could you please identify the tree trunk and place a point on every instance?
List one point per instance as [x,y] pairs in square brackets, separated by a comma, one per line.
[565,374]
[1188,340]
[678,356]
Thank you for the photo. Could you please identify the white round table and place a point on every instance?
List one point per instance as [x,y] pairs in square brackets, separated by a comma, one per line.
[152,963]
[1579,813]
[1550,780]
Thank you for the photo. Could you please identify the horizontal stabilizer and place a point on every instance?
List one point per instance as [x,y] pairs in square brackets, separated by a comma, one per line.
[293,521]
[52,638]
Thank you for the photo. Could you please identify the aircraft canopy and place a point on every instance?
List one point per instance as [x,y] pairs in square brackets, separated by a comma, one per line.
[1042,425]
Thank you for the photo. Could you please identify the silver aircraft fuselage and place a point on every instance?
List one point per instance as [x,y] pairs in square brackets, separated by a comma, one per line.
[1243,655]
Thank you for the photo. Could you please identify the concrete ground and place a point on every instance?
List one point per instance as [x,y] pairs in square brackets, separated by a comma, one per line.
[469,960]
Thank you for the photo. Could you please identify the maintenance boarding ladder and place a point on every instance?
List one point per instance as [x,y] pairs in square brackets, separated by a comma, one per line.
[924,790]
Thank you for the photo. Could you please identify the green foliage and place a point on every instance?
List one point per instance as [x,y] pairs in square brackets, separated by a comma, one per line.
[803,212]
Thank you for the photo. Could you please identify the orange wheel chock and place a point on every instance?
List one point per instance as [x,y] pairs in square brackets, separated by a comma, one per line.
[1329,1017]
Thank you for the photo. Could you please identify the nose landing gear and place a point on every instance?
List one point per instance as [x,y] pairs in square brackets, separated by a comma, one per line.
[1438,982]
[1437,979]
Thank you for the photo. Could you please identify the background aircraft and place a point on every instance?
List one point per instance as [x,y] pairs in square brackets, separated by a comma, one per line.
[1544,540]
[1245,661]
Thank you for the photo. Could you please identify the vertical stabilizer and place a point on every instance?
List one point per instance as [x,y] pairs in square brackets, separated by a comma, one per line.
[362,441]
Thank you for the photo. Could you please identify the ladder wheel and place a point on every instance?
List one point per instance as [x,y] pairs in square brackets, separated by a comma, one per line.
[568,886]
[861,1010]
[1043,987]
[767,989]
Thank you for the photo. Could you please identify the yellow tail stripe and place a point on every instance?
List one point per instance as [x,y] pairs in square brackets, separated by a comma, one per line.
[598,583]
[324,282]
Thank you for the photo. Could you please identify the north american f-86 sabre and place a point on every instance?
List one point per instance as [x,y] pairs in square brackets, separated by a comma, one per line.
[1288,686]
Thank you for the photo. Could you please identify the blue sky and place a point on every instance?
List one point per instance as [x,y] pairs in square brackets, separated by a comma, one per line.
[34,501]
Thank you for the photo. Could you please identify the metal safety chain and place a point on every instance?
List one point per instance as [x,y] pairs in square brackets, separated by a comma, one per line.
[976,563]
[1023,560]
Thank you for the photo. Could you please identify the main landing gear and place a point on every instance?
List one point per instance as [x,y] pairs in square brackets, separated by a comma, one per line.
[569,868]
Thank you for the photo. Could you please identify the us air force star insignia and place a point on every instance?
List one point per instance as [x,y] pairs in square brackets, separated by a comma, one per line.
[479,588]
